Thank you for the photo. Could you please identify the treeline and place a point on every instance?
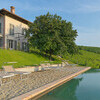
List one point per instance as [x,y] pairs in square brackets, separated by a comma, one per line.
[91,49]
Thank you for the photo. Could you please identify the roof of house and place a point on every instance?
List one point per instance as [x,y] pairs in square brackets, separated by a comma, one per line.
[10,14]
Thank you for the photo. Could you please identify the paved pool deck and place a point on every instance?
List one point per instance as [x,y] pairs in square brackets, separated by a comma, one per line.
[37,93]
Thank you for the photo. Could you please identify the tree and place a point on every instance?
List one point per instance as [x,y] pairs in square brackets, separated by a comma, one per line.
[50,34]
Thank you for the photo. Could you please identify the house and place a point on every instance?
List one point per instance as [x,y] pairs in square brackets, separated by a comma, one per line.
[12,30]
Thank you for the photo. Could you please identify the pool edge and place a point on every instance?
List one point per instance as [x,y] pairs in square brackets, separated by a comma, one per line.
[37,93]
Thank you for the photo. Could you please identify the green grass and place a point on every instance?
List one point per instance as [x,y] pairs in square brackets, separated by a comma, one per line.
[23,58]
[90,49]
[85,58]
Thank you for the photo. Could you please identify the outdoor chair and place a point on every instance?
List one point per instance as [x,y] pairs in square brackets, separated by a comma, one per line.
[45,65]
[41,68]
[48,66]
[10,69]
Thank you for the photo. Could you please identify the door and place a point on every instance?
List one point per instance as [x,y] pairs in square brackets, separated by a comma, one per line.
[10,44]
[15,44]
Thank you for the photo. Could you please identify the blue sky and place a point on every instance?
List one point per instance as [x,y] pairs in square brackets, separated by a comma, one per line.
[84,14]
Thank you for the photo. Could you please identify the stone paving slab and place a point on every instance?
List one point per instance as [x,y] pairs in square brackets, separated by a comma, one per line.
[34,80]
[3,73]
[35,94]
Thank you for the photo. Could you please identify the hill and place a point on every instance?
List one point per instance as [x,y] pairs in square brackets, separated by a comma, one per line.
[85,58]
[91,49]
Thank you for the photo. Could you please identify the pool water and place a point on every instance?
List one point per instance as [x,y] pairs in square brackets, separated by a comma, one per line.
[83,87]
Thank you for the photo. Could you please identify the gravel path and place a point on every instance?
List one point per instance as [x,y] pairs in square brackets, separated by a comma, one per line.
[35,80]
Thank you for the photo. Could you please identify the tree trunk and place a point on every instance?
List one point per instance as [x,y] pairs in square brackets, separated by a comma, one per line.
[50,56]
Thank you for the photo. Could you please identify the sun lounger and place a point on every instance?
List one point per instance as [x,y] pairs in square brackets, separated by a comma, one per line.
[45,66]
[8,76]
[10,69]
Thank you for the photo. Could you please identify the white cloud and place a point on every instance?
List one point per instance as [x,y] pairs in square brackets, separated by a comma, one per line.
[65,6]
[89,8]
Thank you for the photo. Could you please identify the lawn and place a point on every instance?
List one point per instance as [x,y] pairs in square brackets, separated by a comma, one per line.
[23,58]
[84,58]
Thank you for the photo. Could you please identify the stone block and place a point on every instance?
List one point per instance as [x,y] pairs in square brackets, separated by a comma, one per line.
[16,78]
[5,80]
[24,76]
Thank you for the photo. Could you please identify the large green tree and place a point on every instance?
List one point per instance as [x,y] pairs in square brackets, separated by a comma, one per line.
[50,34]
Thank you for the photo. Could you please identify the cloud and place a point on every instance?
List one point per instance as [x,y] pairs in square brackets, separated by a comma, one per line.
[45,5]
[79,8]
[89,8]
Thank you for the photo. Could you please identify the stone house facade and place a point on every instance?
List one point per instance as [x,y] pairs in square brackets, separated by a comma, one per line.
[12,30]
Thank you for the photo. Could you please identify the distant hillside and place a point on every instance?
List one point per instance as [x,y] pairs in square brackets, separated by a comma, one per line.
[23,58]
[85,58]
[91,49]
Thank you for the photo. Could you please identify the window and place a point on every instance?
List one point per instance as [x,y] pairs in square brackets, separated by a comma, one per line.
[24,46]
[1,42]
[11,29]
[23,31]
[0,27]
[10,45]
[15,45]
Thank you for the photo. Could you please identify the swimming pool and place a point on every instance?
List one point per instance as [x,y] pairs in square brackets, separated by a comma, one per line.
[83,87]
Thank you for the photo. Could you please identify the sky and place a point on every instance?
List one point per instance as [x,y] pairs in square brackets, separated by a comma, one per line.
[84,14]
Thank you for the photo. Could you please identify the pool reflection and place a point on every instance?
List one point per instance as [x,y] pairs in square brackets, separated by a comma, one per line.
[82,87]
[64,92]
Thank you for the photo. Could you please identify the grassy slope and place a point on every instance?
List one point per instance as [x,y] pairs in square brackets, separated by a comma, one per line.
[86,58]
[22,58]
[91,49]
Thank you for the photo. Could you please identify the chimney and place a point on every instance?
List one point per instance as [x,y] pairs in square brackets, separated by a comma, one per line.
[12,9]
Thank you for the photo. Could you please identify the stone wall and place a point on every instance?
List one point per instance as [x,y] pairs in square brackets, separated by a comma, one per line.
[14,78]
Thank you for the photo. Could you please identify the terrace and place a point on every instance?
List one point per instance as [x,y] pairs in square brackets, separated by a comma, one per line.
[11,87]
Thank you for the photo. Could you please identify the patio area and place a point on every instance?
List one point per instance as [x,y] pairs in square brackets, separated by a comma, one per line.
[19,84]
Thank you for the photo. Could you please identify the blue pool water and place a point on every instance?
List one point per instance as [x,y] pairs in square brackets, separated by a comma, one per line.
[83,87]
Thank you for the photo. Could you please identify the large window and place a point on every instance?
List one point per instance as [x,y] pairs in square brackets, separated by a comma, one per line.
[24,46]
[15,44]
[1,42]
[23,31]
[0,27]
[10,44]
[11,29]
